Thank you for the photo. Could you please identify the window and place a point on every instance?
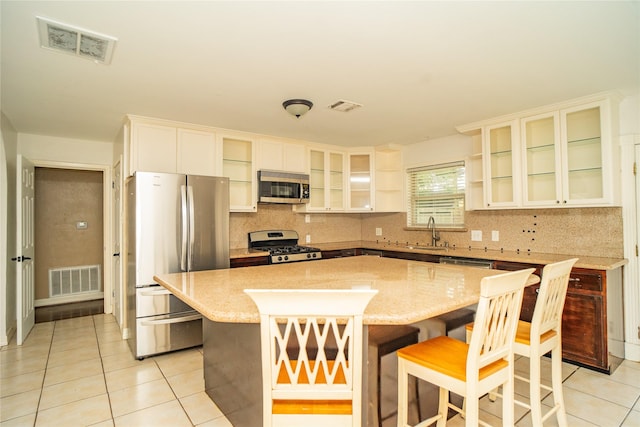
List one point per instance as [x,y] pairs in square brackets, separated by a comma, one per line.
[436,191]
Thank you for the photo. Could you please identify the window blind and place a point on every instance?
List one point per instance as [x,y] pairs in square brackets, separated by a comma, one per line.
[436,191]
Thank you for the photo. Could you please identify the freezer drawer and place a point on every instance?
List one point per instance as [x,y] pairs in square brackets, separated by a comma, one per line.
[156,300]
[159,334]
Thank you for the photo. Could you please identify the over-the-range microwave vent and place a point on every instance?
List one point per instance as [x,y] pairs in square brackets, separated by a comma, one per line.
[75,41]
[344,106]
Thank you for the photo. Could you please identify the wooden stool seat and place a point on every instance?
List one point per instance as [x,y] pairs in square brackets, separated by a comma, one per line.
[384,340]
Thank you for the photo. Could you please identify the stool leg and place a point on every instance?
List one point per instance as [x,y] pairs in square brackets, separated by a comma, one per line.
[534,388]
[417,383]
[403,394]
[556,381]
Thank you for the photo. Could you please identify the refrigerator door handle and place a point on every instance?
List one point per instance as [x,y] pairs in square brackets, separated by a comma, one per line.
[183,224]
[192,227]
[180,319]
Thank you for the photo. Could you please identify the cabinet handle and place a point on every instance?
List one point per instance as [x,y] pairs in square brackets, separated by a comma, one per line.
[537,290]
[574,279]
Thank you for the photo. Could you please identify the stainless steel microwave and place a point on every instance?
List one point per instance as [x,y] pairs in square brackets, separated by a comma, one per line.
[282,187]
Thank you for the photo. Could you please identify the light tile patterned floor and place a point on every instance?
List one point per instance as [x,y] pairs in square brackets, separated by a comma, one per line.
[79,372]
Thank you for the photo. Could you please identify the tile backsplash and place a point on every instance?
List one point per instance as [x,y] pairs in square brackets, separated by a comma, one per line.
[572,231]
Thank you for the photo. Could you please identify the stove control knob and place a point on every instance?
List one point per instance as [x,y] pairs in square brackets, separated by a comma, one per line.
[308,256]
[279,258]
[314,255]
[286,257]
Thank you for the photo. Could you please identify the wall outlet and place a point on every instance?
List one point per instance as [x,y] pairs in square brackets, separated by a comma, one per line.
[307,238]
[476,235]
[378,231]
[307,218]
[495,236]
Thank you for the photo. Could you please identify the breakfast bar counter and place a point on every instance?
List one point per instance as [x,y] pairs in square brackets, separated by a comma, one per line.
[408,292]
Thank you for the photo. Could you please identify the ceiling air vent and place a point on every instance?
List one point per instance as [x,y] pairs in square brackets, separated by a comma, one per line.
[75,41]
[344,106]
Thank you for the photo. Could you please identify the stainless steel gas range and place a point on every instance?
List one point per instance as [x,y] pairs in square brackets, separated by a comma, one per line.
[282,246]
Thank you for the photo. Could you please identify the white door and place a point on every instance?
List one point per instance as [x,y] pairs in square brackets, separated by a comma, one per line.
[117,229]
[25,200]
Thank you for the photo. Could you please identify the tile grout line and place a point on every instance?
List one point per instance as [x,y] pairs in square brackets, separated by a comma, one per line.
[104,375]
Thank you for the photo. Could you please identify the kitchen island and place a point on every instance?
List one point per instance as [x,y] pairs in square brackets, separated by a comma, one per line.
[408,292]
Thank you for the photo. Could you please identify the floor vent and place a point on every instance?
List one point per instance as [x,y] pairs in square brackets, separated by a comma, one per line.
[74,280]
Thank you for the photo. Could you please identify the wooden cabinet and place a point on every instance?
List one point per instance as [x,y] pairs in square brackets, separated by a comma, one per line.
[326,181]
[162,146]
[282,156]
[585,338]
[239,166]
[341,253]
[248,261]
[360,189]
[389,180]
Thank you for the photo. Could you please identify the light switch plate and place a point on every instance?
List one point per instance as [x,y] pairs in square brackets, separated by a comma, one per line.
[307,239]
[378,231]
[495,236]
[476,235]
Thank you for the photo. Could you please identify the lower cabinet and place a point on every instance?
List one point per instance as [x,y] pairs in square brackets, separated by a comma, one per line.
[584,319]
[341,253]
[248,262]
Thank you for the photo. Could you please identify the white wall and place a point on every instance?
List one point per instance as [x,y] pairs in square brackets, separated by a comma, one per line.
[56,149]
[436,151]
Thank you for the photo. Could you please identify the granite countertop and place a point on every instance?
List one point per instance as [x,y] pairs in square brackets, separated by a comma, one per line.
[595,263]
[409,291]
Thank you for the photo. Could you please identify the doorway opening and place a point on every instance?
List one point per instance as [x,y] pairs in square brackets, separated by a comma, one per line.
[69,242]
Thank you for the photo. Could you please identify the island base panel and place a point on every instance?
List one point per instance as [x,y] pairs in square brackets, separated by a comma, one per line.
[233,370]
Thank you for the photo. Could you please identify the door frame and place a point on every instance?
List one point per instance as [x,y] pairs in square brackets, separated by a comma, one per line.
[107,252]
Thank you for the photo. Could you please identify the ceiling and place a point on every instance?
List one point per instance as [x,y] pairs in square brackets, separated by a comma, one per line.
[419,68]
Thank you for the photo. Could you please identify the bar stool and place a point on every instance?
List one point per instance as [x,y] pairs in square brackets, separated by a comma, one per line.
[541,336]
[384,340]
[470,370]
[445,323]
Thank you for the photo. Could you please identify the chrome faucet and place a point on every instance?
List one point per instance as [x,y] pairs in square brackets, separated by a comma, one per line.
[435,236]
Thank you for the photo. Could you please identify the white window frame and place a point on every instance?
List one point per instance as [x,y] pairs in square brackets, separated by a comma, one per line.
[436,191]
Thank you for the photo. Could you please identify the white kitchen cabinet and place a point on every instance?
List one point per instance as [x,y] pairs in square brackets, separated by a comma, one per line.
[197,152]
[474,194]
[161,146]
[152,148]
[282,156]
[566,158]
[560,155]
[360,195]
[389,179]
[501,165]
[238,164]
[326,182]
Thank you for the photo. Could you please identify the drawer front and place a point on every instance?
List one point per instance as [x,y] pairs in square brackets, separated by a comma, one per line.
[160,334]
[155,300]
[588,280]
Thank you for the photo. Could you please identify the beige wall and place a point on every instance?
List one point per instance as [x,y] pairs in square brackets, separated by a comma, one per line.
[64,197]
[576,231]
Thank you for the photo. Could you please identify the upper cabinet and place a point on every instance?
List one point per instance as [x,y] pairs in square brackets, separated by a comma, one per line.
[161,146]
[360,186]
[389,179]
[501,165]
[326,180]
[282,156]
[238,164]
[558,156]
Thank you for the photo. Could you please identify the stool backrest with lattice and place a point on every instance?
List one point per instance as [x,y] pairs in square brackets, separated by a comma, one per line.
[311,344]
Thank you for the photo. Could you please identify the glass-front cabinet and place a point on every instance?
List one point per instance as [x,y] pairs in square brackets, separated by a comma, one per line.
[326,182]
[239,166]
[360,182]
[542,182]
[501,166]
[582,150]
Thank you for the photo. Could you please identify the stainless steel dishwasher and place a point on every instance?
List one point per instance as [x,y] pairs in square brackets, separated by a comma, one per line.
[470,262]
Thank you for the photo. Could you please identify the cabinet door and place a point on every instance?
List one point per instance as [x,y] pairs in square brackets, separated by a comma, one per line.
[326,181]
[239,166]
[389,183]
[541,165]
[336,181]
[502,165]
[360,179]
[154,148]
[585,160]
[282,156]
[583,334]
[294,158]
[196,152]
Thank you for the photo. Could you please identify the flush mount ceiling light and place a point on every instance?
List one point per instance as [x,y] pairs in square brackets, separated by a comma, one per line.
[297,107]
[75,41]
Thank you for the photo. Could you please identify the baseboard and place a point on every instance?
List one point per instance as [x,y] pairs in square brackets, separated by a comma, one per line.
[87,296]
[6,339]
[632,351]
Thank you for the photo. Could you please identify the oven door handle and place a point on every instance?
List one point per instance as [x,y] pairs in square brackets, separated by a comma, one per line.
[181,319]
[155,293]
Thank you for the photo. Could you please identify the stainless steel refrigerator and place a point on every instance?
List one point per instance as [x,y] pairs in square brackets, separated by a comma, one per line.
[175,223]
